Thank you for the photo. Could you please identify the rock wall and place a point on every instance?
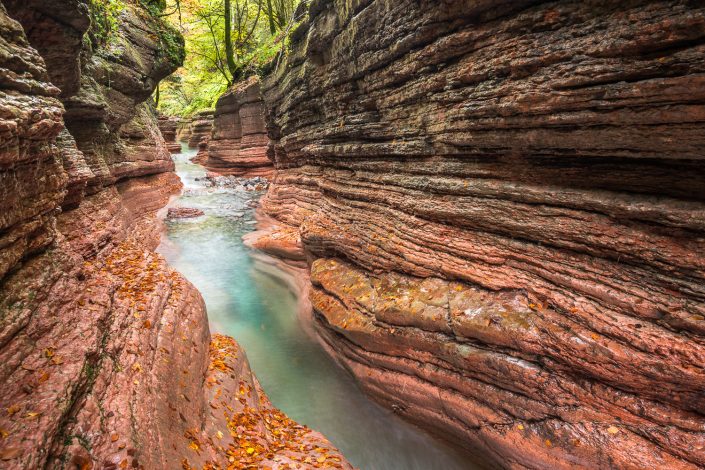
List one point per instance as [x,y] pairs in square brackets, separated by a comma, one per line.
[503,211]
[183,130]
[238,145]
[201,128]
[106,357]
[168,126]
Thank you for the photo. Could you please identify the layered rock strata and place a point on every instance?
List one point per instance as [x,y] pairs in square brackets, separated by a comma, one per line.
[183,130]
[168,126]
[503,212]
[200,129]
[104,349]
[238,145]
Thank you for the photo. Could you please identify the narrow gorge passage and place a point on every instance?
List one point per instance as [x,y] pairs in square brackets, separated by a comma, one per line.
[341,234]
[252,302]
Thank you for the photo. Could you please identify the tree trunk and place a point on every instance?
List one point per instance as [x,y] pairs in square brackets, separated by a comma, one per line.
[229,51]
[270,13]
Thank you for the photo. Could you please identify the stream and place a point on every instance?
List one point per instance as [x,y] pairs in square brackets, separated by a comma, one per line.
[247,302]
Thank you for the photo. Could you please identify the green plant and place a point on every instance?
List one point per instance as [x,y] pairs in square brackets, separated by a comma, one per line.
[224,46]
[104,19]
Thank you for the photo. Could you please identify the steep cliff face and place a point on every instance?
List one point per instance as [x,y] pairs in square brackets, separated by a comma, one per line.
[183,130]
[199,134]
[200,129]
[105,353]
[168,126]
[503,209]
[31,120]
[238,145]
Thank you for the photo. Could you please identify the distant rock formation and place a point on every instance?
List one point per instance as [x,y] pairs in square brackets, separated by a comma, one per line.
[239,142]
[201,127]
[183,130]
[168,126]
[502,207]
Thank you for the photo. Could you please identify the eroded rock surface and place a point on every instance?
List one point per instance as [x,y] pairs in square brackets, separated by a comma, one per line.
[200,129]
[104,350]
[238,145]
[168,126]
[503,210]
[183,130]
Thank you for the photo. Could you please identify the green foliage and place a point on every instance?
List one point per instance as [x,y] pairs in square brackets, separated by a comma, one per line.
[172,43]
[259,33]
[186,93]
[155,7]
[104,19]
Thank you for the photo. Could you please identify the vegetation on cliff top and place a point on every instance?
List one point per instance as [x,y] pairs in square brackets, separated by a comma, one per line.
[227,41]
[106,16]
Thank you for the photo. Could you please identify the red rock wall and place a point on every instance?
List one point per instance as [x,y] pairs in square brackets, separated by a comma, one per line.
[31,120]
[168,126]
[239,142]
[107,360]
[502,205]
[183,130]
[200,129]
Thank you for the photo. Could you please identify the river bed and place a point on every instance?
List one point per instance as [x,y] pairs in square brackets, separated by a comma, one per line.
[260,311]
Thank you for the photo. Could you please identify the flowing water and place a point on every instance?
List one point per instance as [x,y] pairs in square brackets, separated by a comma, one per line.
[260,312]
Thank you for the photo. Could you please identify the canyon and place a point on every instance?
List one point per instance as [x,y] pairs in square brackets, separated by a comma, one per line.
[107,358]
[234,141]
[500,206]
[493,214]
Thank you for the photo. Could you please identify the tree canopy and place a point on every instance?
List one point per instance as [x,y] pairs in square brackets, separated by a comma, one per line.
[226,42]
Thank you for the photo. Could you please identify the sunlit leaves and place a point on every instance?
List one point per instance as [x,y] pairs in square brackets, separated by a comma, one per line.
[206,75]
[256,435]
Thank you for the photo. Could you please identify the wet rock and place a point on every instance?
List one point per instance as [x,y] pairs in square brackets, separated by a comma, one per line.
[183,213]
[257,183]
[503,211]
[269,438]
[202,153]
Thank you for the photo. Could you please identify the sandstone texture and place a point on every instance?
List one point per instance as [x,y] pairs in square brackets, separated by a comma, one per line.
[502,208]
[183,130]
[106,357]
[200,129]
[202,154]
[168,126]
[238,145]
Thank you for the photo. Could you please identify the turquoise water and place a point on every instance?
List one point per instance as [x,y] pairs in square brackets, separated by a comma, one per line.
[247,302]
